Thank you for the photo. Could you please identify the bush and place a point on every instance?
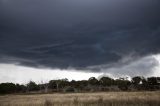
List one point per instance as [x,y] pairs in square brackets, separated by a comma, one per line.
[7,88]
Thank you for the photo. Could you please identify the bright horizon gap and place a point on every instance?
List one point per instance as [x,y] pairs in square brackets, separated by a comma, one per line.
[22,74]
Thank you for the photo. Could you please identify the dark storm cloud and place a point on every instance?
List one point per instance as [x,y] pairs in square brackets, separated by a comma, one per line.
[77,33]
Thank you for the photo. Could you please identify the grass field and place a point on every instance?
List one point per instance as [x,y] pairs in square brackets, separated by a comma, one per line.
[84,99]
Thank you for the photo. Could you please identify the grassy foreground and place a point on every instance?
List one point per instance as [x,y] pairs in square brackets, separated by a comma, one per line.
[84,99]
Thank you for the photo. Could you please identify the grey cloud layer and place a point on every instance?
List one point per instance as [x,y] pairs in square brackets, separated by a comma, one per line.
[77,33]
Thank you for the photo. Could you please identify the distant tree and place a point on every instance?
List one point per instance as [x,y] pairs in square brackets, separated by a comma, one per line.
[64,82]
[73,83]
[32,86]
[52,84]
[106,81]
[136,80]
[144,81]
[20,88]
[44,85]
[122,84]
[58,84]
[152,80]
[144,85]
[7,88]
[93,81]
[137,83]
[79,84]
[82,84]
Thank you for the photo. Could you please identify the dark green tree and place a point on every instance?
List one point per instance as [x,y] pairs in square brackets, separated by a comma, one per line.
[7,88]
[136,80]
[32,86]
[20,88]
[152,81]
[122,84]
[106,81]
[93,81]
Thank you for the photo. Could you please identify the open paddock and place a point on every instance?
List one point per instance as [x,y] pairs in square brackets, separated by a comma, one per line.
[84,99]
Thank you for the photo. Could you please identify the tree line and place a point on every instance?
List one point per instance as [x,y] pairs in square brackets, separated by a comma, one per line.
[92,84]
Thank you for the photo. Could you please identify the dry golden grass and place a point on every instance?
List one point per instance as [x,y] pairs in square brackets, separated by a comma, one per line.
[84,99]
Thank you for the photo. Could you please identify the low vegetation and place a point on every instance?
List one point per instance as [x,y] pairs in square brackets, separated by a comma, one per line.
[91,85]
[84,99]
[139,91]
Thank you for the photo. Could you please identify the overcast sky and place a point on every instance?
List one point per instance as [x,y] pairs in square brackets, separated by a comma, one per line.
[78,37]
